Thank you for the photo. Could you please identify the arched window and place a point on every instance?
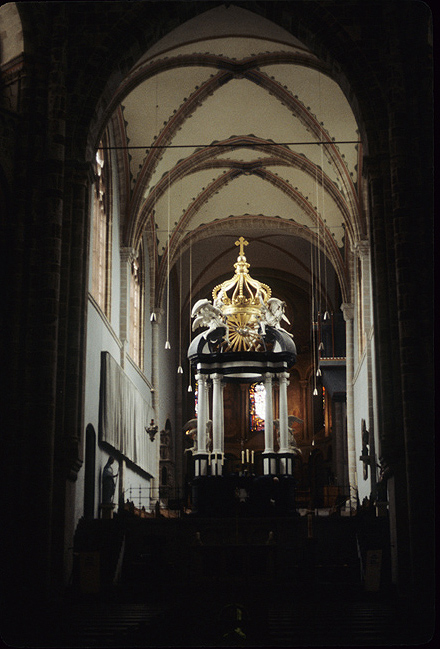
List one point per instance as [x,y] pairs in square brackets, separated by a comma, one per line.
[137,309]
[102,222]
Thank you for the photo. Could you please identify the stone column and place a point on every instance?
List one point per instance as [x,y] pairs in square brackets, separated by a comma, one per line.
[269,456]
[155,481]
[217,429]
[338,445]
[222,387]
[284,422]
[201,457]
[285,454]
[127,257]
[348,311]
[363,250]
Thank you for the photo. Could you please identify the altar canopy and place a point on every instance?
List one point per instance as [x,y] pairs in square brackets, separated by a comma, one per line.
[243,341]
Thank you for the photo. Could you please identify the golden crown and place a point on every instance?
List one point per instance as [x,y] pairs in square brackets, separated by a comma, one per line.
[241,293]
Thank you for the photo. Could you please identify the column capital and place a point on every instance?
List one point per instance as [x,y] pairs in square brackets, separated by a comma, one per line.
[362,247]
[128,254]
[348,310]
[373,164]
[82,171]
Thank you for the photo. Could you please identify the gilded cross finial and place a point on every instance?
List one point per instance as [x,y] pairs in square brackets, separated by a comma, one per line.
[242,242]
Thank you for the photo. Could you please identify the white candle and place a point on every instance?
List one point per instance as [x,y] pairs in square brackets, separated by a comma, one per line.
[252,457]
[247,455]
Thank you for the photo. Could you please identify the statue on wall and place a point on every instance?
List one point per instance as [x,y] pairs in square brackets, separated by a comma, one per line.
[365,455]
[108,482]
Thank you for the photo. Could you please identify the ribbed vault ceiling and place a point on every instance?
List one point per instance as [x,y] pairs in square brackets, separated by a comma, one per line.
[230,126]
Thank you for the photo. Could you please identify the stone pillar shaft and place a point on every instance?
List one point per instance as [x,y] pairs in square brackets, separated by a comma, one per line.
[268,420]
[127,256]
[348,311]
[284,421]
[217,421]
[202,414]
[155,397]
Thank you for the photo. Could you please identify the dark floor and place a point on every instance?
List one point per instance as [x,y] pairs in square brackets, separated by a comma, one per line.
[222,615]
[232,590]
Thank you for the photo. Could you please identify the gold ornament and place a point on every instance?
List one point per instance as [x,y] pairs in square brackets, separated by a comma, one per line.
[241,300]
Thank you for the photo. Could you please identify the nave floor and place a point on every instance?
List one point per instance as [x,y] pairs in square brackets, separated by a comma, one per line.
[233,615]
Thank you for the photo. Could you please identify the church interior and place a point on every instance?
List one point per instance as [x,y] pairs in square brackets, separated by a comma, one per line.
[217,330]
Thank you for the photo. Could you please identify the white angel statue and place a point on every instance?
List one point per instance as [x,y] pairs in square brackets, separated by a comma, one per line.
[272,314]
[190,429]
[206,314]
[292,441]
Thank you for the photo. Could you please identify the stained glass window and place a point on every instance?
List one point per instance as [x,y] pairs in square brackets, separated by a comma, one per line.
[257,407]
[196,399]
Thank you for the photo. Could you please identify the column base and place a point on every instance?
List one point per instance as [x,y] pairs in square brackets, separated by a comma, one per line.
[285,462]
[216,462]
[200,464]
[107,510]
[269,463]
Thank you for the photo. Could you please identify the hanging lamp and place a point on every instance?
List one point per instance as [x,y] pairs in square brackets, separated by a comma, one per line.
[180,368]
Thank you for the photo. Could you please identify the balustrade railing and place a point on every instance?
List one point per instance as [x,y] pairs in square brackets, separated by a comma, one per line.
[147,497]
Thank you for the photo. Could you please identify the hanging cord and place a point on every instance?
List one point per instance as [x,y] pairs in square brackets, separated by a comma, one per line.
[313,309]
[167,344]
[190,302]
[180,369]
[316,370]
[326,314]
[153,314]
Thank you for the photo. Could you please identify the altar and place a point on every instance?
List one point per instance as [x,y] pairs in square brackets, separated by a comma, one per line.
[243,342]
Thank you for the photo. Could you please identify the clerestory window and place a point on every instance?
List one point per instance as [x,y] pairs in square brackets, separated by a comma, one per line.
[137,309]
[102,225]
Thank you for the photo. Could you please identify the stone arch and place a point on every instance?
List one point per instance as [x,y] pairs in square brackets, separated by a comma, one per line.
[304,21]
[252,223]
[12,34]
